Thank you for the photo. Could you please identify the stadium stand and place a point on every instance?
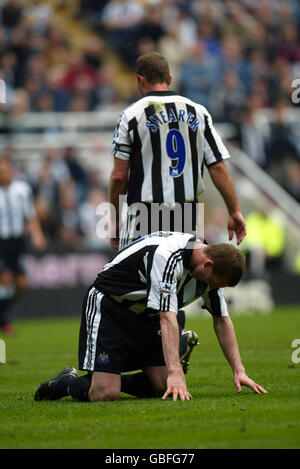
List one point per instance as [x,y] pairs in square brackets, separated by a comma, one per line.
[69,68]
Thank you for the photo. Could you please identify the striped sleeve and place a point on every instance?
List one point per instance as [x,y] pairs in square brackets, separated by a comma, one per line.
[214,301]
[214,148]
[164,274]
[121,141]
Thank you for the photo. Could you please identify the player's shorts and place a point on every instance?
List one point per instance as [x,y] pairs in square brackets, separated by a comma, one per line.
[12,255]
[114,340]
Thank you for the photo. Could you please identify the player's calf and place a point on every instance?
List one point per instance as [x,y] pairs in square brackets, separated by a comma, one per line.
[105,387]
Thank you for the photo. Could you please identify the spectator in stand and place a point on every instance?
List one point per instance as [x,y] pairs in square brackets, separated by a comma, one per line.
[91,10]
[199,73]
[93,53]
[151,27]
[226,99]
[88,219]
[209,34]
[185,24]
[38,14]
[232,59]
[48,220]
[106,91]
[281,149]
[289,43]
[77,173]
[46,191]
[8,63]
[11,14]
[68,234]
[76,68]
[54,83]
[84,86]
[47,173]
[171,47]
[119,20]
[249,137]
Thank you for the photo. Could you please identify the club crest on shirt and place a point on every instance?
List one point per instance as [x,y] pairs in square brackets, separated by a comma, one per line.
[166,288]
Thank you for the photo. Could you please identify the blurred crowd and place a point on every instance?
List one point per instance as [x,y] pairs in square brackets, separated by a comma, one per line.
[228,55]
[234,57]
[42,69]
[66,195]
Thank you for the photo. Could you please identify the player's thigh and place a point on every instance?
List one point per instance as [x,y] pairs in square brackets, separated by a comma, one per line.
[6,277]
[158,376]
[105,386]
[21,282]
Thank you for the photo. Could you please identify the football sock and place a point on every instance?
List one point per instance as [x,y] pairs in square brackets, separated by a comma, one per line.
[7,297]
[181,319]
[78,388]
[137,384]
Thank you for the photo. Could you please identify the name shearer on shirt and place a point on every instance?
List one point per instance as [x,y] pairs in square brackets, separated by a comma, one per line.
[167,117]
[177,217]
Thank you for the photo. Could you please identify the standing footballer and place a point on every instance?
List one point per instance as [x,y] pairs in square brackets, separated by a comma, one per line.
[161,144]
[17,218]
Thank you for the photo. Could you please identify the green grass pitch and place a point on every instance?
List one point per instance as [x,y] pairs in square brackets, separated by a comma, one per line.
[217,417]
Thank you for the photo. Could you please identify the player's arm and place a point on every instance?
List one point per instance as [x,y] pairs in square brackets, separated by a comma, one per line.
[162,297]
[225,333]
[36,234]
[176,384]
[33,225]
[223,182]
[117,187]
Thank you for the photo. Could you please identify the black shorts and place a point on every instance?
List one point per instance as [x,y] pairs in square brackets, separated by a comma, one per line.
[12,252]
[114,340]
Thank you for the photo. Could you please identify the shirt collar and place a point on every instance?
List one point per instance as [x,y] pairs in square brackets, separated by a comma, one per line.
[161,93]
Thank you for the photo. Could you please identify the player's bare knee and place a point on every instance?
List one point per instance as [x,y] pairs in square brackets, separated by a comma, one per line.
[21,283]
[6,278]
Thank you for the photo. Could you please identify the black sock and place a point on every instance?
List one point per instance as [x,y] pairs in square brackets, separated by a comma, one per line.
[78,388]
[181,319]
[5,305]
[137,384]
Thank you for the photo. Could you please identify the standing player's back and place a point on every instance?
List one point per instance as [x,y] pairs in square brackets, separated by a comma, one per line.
[168,139]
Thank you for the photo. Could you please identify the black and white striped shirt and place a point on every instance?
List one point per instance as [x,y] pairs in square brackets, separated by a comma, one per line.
[168,139]
[16,208]
[152,273]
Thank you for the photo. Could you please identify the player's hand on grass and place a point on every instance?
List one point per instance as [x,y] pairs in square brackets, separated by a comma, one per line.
[236,224]
[241,379]
[176,387]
